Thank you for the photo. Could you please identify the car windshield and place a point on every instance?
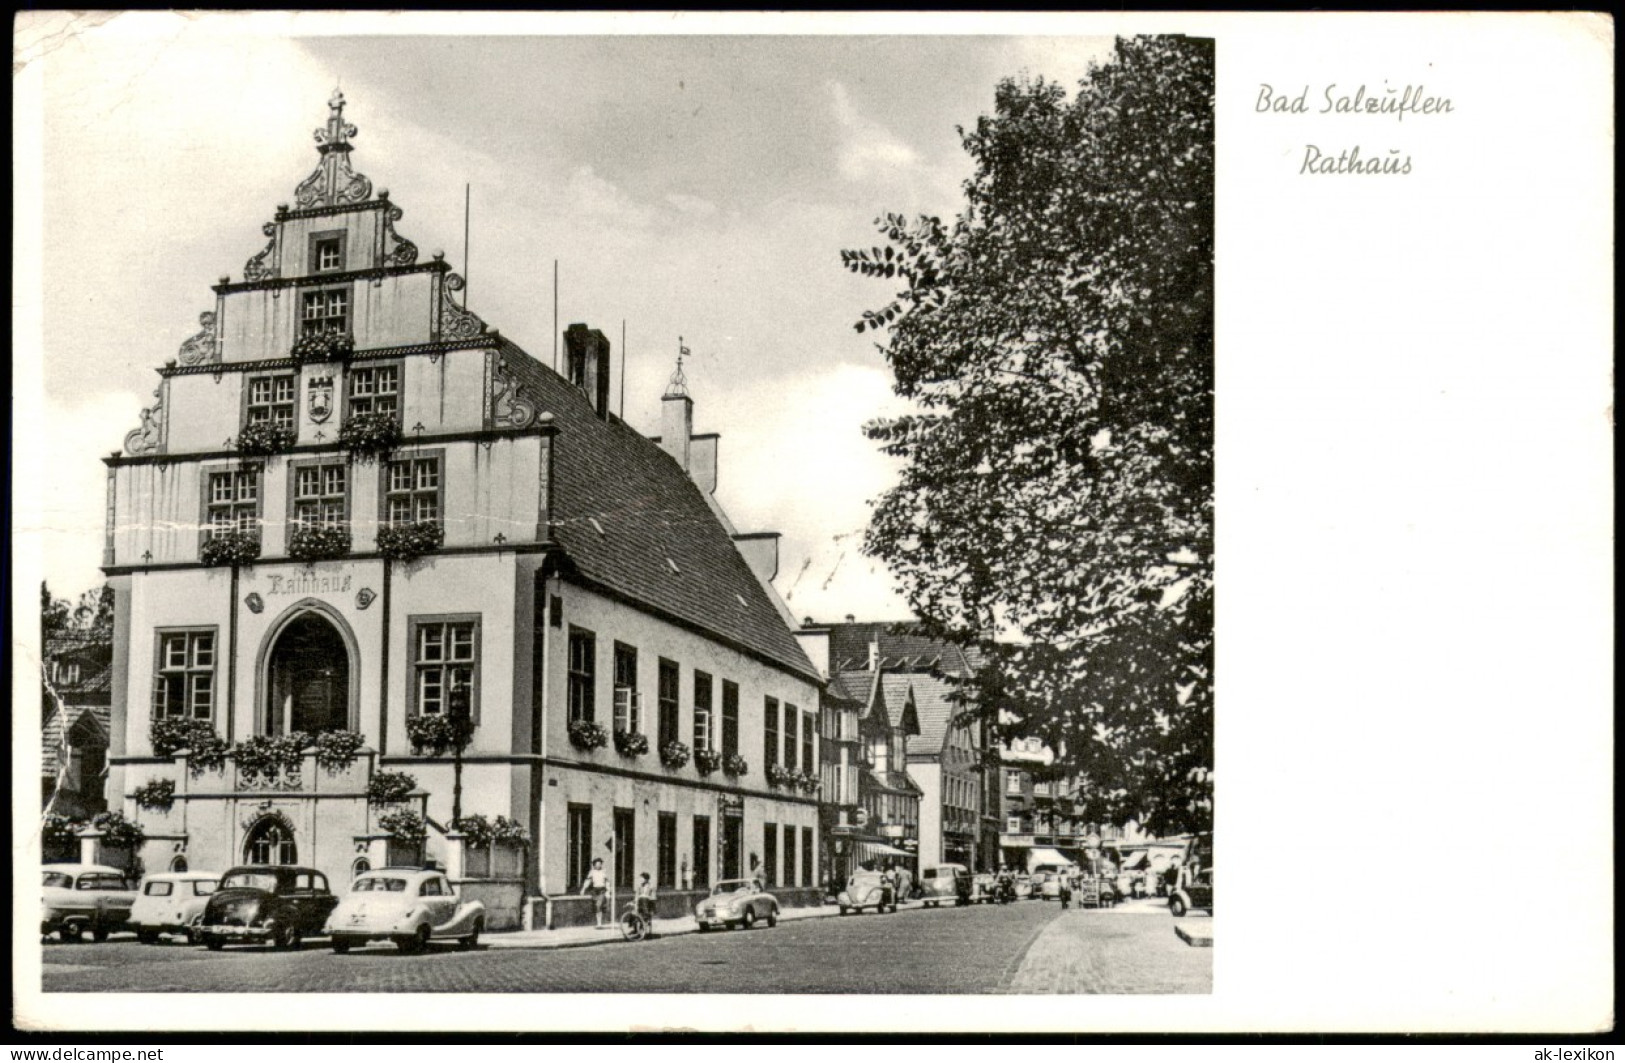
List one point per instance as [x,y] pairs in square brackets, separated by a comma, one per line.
[249,880]
[58,879]
[100,882]
[203,887]
[388,884]
[732,886]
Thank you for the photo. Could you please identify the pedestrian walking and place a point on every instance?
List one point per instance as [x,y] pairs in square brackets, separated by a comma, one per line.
[646,897]
[596,886]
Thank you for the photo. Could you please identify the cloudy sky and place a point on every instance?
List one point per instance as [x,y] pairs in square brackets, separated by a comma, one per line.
[699,186]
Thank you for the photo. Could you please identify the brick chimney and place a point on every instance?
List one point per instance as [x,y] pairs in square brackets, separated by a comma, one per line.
[586,361]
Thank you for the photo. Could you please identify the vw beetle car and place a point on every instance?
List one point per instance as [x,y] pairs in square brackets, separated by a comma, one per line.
[258,903]
[945,882]
[172,903]
[867,889]
[736,902]
[407,906]
[81,897]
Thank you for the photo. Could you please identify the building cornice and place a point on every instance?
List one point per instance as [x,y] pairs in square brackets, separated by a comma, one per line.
[371,354]
[381,203]
[471,436]
[319,280]
[372,555]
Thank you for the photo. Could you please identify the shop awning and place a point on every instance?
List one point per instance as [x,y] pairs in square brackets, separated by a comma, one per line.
[1047,856]
[867,850]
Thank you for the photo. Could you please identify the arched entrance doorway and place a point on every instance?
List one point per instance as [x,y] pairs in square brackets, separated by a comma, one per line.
[308,677]
[270,841]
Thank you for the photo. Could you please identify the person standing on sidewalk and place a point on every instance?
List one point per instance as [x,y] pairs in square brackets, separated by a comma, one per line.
[596,886]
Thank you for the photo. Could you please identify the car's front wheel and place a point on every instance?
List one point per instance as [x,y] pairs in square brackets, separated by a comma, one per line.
[773,917]
[1176,905]
[341,945]
[286,937]
[416,942]
[747,920]
[213,942]
[68,934]
[472,941]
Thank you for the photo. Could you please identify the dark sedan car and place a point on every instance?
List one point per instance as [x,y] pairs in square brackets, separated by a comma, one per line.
[279,904]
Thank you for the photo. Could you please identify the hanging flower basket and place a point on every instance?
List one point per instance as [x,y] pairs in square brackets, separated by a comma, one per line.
[324,345]
[674,754]
[584,734]
[158,795]
[230,548]
[707,760]
[336,750]
[263,439]
[631,743]
[320,543]
[389,787]
[779,776]
[437,735]
[408,542]
[735,765]
[370,436]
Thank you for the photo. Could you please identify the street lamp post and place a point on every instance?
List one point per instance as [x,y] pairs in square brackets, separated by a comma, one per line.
[462,725]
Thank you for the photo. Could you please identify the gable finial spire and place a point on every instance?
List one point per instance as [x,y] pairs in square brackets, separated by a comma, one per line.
[333,183]
[677,388]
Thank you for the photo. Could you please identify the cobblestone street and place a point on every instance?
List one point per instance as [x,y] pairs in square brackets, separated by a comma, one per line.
[1028,947]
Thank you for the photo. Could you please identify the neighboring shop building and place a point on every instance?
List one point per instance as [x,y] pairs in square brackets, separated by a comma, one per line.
[355,509]
[76,707]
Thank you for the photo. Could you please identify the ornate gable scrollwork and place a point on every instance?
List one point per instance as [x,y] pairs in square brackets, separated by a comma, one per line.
[333,183]
[149,438]
[257,268]
[511,407]
[201,347]
[457,323]
[402,252]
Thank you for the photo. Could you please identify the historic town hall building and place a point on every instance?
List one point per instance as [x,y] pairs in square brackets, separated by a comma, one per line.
[354,510]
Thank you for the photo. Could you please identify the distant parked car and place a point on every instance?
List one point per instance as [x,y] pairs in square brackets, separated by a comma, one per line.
[1025,887]
[945,882]
[982,887]
[736,902]
[281,904]
[1193,891]
[867,889]
[407,906]
[172,903]
[1049,888]
[81,897]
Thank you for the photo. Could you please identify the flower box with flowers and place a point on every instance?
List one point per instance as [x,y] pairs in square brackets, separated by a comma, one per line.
[230,548]
[263,439]
[438,734]
[674,754]
[321,542]
[631,743]
[735,765]
[780,776]
[707,760]
[387,788]
[272,762]
[586,735]
[118,832]
[808,782]
[370,435]
[404,824]
[408,542]
[323,345]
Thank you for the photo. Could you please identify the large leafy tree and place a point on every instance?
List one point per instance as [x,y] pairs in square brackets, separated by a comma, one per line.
[1056,341]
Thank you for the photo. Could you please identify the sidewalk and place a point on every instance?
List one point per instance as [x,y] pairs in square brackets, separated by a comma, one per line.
[576,936]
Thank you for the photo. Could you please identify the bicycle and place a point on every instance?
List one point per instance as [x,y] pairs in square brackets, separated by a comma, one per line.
[634,927]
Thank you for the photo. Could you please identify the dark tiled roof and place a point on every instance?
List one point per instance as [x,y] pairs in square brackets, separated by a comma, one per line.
[650,511]
[853,686]
[902,647]
[894,689]
[935,712]
[896,781]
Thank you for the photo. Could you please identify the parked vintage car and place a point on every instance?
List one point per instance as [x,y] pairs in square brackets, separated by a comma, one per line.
[867,889]
[407,906]
[737,902]
[81,897]
[172,903]
[1194,891]
[1025,889]
[945,882]
[1049,886]
[982,887]
[281,904]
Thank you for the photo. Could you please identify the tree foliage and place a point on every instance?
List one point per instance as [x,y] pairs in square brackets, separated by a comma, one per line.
[1056,341]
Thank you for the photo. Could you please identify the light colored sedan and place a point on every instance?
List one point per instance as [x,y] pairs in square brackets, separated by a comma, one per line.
[407,906]
[868,889]
[172,903]
[737,902]
[80,897]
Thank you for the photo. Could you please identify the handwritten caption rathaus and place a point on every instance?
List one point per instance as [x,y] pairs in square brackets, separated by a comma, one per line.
[1393,102]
